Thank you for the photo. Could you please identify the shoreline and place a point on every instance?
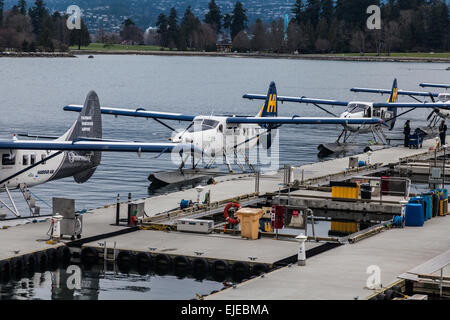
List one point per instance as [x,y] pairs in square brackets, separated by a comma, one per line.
[267,56]
[8,54]
[320,57]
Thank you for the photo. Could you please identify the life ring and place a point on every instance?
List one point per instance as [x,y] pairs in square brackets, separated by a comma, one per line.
[227,216]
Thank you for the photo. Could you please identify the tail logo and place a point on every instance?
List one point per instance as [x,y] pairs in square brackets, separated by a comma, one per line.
[272,105]
[394,95]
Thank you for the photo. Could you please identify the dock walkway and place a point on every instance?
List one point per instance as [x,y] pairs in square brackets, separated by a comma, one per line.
[340,274]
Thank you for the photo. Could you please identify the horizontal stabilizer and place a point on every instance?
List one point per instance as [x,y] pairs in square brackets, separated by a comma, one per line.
[137,113]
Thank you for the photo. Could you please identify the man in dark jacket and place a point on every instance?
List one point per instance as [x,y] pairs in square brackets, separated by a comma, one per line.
[406,131]
[442,132]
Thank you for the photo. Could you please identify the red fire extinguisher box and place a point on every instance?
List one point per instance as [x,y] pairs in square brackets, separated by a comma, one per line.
[277,217]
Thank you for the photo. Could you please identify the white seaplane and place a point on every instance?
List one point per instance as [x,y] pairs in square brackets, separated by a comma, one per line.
[225,136]
[387,112]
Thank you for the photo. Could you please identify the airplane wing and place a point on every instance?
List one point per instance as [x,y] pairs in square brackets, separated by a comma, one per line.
[435,85]
[137,113]
[297,99]
[104,146]
[425,105]
[400,92]
[304,120]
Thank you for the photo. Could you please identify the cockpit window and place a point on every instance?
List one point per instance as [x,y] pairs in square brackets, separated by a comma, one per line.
[355,108]
[203,125]
[444,97]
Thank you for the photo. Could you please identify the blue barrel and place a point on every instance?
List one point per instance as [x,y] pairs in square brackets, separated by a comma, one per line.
[414,215]
[184,204]
[421,201]
[361,164]
[429,205]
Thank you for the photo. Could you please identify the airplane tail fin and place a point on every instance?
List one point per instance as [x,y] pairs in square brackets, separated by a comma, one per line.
[80,164]
[393,98]
[270,107]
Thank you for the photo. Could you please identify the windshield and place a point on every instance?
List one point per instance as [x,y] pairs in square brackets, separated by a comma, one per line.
[444,97]
[354,108]
[203,125]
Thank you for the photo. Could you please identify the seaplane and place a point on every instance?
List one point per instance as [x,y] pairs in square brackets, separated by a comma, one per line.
[436,115]
[387,112]
[77,154]
[223,137]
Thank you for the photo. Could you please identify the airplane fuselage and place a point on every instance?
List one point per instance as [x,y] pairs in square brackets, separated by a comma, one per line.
[364,110]
[217,137]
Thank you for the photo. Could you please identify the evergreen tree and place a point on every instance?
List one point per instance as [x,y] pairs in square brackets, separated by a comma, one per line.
[298,11]
[22,4]
[2,5]
[227,22]
[312,12]
[173,28]
[238,20]
[163,29]
[37,14]
[214,17]
[188,27]
[326,10]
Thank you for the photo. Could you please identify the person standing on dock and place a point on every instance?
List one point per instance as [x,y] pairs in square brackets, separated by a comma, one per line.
[442,132]
[407,131]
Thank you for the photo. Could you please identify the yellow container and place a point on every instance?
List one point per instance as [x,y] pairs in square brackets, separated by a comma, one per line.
[344,227]
[443,207]
[345,192]
[249,219]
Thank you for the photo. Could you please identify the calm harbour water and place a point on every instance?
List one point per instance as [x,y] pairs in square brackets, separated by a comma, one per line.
[34,91]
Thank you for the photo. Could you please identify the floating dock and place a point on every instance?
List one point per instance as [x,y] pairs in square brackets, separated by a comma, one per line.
[339,273]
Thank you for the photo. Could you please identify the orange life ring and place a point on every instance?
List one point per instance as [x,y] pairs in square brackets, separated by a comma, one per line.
[227,216]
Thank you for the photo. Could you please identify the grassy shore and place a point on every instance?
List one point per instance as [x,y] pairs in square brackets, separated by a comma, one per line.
[117,47]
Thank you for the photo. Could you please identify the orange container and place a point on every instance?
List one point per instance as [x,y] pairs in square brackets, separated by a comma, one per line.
[249,219]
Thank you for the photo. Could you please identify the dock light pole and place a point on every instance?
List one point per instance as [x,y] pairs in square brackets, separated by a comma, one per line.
[301,250]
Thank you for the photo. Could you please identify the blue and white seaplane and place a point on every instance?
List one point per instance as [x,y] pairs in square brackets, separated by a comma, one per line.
[77,154]
[387,112]
[222,137]
[436,115]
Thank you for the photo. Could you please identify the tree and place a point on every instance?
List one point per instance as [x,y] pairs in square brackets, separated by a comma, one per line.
[298,11]
[188,28]
[277,35]
[22,4]
[205,37]
[258,42]
[2,5]
[214,17]
[131,33]
[312,12]
[238,20]
[241,42]
[163,30]
[173,28]
[38,14]
[227,22]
